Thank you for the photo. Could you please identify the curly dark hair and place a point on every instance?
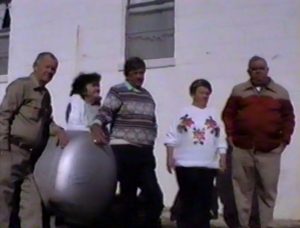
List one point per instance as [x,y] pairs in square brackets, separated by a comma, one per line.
[80,82]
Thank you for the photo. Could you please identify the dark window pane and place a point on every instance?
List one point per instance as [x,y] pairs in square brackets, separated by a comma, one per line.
[3,65]
[6,19]
[150,31]
[4,44]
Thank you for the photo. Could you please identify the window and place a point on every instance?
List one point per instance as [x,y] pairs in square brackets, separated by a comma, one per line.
[150,29]
[4,35]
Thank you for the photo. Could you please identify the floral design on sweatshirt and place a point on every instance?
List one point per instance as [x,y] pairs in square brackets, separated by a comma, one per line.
[212,126]
[185,123]
[199,135]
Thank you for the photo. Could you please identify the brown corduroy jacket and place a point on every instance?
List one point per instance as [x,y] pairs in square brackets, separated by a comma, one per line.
[259,120]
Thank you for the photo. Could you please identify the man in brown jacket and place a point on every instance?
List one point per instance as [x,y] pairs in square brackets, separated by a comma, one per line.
[25,124]
[259,121]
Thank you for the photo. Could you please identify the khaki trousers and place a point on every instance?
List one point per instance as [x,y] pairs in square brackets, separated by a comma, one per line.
[16,173]
[225,190]
[252,169]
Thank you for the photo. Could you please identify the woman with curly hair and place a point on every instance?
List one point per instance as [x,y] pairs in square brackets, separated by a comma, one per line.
[84,101]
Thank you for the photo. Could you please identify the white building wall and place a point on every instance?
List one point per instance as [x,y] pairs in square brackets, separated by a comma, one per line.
[213,39]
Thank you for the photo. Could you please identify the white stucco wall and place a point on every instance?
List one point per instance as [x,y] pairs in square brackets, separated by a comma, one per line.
[213,39]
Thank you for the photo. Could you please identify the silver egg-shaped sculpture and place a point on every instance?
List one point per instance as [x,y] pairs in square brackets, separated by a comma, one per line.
[79,181]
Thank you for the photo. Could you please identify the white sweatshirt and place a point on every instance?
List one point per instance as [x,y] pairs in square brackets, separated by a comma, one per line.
[197,136]
[81,114]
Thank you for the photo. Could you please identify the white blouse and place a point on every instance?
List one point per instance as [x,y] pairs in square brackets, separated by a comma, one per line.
[197,136]
[81,113]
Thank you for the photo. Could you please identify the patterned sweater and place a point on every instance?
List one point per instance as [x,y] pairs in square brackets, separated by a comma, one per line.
[259,120]
[197,137]
[130,113]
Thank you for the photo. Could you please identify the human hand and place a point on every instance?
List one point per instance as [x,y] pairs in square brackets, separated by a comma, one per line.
[98,135]
[170,163]
[63,138]
[222,163]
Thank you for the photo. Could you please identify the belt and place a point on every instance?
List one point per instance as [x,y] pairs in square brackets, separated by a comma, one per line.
[17,142]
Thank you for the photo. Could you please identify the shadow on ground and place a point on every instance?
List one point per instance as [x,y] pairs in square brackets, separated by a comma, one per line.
[219,223]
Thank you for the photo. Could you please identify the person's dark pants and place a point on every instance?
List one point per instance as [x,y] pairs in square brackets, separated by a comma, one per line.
[214,208]
[195,193]
[136,169]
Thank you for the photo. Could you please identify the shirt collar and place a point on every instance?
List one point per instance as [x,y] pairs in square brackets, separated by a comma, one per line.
[36,85]
[270,86]
[131,88]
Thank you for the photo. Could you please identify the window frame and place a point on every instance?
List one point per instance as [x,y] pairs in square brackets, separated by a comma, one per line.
[5,32]
[150,63]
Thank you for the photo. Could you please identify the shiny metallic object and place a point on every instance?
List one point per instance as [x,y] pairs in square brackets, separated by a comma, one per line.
[79,181]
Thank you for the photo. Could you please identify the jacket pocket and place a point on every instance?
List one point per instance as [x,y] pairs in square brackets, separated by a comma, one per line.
[31,112]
